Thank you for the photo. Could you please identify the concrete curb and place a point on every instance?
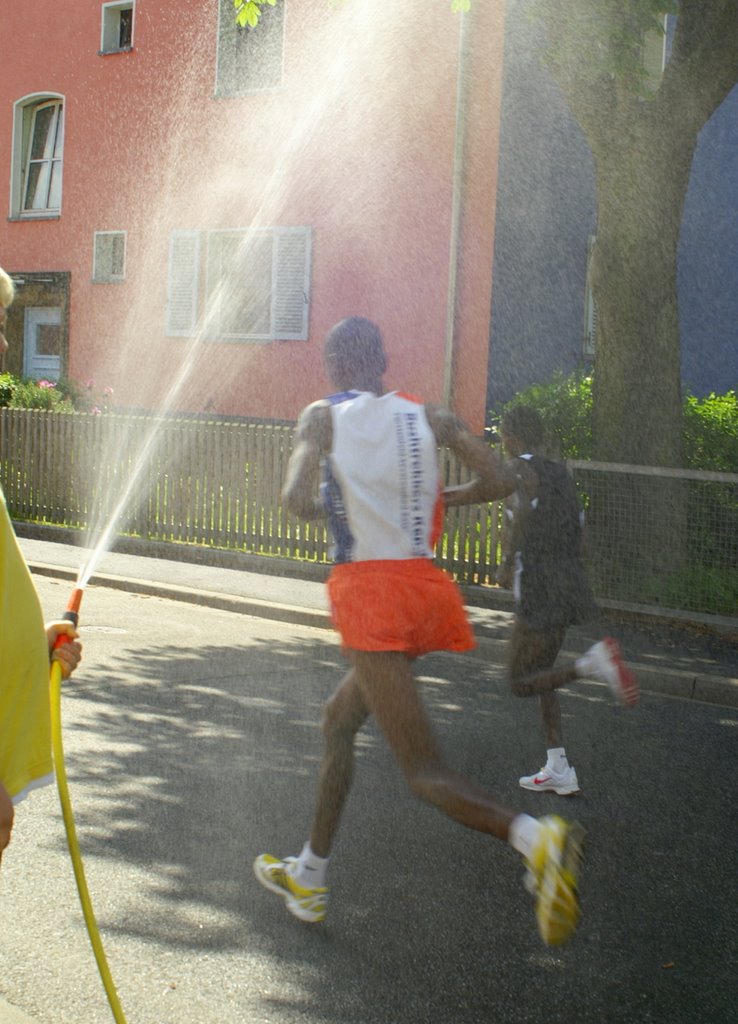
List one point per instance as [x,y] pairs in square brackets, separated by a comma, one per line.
[300,615]
[707,688]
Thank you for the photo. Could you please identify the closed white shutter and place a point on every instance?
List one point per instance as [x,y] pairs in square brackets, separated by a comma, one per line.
[184,283]
[291,284]
[109,257]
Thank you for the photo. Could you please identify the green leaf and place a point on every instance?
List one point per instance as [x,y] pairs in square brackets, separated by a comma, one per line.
[249,11]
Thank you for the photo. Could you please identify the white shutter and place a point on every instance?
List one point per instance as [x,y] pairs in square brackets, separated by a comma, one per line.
[109,256]
[184,283]
[291,284]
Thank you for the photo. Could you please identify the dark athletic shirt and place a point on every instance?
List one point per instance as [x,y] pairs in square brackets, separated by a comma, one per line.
[552,587]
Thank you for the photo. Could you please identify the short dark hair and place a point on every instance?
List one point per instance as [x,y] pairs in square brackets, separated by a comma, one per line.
[355,344]
[524,423]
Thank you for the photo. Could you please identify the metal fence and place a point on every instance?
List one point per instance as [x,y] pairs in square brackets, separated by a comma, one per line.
[663,537]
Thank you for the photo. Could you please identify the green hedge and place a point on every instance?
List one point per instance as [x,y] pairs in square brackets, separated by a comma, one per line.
[565,405]
[706,580]
[711,432]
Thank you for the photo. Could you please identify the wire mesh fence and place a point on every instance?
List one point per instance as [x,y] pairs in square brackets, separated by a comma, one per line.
[663,537]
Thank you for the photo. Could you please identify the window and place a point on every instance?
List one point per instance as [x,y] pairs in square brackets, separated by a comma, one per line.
[256,284]
[109,257]
[42,347]
[590,306]
[654,53]
[38,141]
[117,27]
[249,59]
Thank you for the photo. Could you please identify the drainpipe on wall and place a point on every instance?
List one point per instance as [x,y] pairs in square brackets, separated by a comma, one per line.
[462,104]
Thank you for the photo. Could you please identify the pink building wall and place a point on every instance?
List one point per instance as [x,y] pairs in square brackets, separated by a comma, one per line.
[358,143]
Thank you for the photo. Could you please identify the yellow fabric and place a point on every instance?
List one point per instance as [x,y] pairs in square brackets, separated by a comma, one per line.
[25,713]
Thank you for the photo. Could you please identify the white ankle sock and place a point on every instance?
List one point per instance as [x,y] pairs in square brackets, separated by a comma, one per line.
[523,834]
[309,871]
[556,760]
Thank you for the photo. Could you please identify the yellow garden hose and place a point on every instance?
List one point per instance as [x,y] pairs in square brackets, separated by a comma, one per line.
[66,805]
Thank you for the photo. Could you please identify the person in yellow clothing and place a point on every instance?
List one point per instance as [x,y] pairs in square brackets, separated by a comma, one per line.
[26,646]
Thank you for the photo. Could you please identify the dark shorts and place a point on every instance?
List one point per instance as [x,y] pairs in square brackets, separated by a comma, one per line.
[555,595]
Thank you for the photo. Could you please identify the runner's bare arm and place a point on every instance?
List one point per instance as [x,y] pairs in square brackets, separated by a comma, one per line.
[313,437]
[493,477]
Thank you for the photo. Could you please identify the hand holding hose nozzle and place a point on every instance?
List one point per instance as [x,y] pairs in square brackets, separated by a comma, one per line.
[62,634]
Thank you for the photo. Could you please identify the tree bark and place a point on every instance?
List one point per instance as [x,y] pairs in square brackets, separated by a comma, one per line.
[637,378]
[643,148]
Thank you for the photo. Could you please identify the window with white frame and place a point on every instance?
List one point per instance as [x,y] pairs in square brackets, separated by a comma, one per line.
[252,285]
[38,144]
[117,27]
[109,257]
[590,306]
[654,53]
[249,59]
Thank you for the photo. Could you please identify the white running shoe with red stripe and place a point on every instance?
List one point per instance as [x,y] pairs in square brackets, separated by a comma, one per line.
[604,662]
[547,780]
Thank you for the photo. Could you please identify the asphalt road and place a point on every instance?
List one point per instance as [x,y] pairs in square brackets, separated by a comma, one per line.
[192,745]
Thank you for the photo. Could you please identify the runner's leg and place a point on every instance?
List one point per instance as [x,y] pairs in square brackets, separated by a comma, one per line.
[388,688]
[531,659]
[344,715]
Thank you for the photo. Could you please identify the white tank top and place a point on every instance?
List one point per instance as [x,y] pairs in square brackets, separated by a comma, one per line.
[381,487]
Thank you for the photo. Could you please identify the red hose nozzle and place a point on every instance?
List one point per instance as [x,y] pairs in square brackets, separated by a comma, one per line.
[70,615]
[72,611]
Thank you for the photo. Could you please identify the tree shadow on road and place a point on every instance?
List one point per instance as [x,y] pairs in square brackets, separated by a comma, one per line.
[190,762]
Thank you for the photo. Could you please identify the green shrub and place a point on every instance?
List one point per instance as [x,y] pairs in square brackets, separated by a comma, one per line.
[565,405]
[711,432]
[70,391]
[38,394]
[7,387]
[701,588]
[63,395]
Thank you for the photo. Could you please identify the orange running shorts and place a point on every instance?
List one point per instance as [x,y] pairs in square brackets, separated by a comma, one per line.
[407,605]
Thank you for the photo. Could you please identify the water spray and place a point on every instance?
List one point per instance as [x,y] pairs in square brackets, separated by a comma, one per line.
[71,614]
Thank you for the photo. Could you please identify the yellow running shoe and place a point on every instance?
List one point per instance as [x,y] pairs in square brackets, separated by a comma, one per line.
[553,877]
[274,874]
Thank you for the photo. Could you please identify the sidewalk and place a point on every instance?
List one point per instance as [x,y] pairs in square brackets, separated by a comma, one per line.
[679,658]
[9,1014]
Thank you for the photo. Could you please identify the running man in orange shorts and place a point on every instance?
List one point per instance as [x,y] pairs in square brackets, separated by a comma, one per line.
[377,453]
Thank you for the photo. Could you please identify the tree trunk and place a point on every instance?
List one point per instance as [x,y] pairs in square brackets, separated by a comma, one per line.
[643,141]
[641,523]
[643,145]
[637,379]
